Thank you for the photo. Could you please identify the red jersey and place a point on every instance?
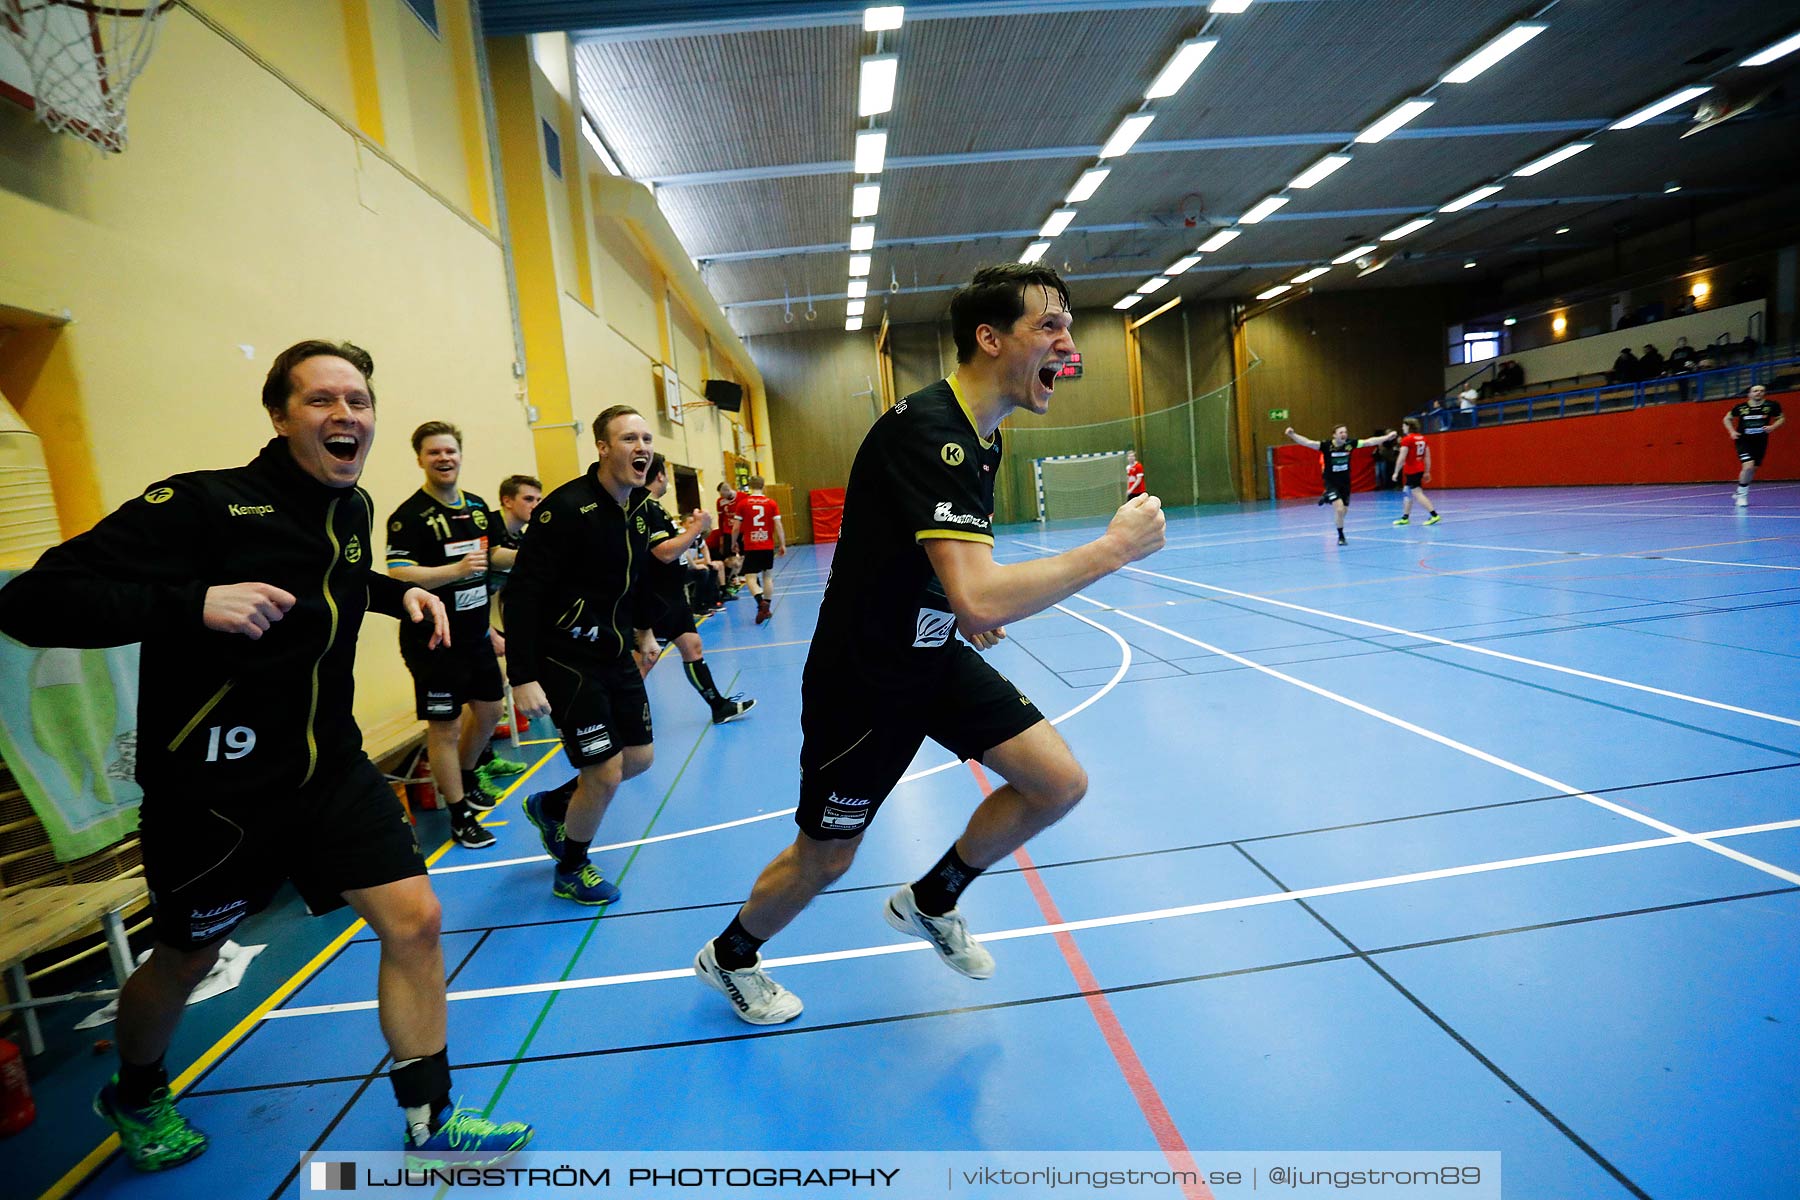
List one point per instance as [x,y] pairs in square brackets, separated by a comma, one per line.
[1414,445]
[1134,479]
[758,515]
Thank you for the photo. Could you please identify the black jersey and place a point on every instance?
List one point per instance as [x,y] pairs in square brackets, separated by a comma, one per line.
[222,718]
[425,532]
[502,539]
[571,587]
[922,472]
[1754,419]
[663,581]
[1335,459]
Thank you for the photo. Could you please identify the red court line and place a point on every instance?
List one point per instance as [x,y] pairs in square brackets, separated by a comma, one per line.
[1149,1100]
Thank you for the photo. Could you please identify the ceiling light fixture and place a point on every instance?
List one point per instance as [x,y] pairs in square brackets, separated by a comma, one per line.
[1087,185]
[1562,230]
[1538,165]
[883,17]
[1474,197]
[1261,209]
[1275,291]
[1219,240]
[1152,284]
[1404,112]
[859,265]
[1034,252]
[1400,231]
[1129,131]
[865,199]
[1128,301]
[875,90]
[862,237]
[871,151]
[856,308]
[1189,55]
[1059,221]
[1671,187]
[1510,322]
[1319,170]
[1660,107]
[1182,266]
[853,324]
[859,288]
[1780,49]
[1309,276]
[1351,255]
[1468,264]
[1493,52]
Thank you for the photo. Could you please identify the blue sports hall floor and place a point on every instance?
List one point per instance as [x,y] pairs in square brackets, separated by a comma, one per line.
[1482,836]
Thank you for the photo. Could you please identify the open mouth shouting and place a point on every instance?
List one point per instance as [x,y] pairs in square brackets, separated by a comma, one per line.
[640,464]
[343,446]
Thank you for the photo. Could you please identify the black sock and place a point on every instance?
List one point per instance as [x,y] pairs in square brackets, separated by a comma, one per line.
[936,893]
[736,948]
[460,812]
[487,756]
[423,1082]
[471,782]
[1434,512]
[700,675]
[574,854]
[138,1083]
[556,800]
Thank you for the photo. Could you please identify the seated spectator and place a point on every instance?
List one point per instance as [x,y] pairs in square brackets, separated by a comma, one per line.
[1466,401]
[1510,377]
[1686,306]
[1625,368]
[1681,358]
[1651,364]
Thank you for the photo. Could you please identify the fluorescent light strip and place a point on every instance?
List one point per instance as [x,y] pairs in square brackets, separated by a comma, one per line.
[859,288]
[1780,49]
[1261,209]
[875,91]
[871,151]
[862,237]
[1220,239]
[1127,134]
[865,199]
[856,308]
[1128,301]
[1352,255]
[1660,107]
[1087,185]
[1551,159]
[853,324]
[1474,197]
[1400,231]
[1493,52]
[1183,265]
[1309,276]
[1034,252]
[1152,284]
[859,265]
[1181,64]
[883,17]
[1404,112]
[1059,221]
[1230,6]
[1319,170]
[1275,291]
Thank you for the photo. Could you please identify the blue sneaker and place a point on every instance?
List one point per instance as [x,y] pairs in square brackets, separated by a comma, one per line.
[586,886]
[550,833]
[464,1139]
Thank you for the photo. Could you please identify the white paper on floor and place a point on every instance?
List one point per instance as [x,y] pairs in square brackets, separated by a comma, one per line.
[226,974]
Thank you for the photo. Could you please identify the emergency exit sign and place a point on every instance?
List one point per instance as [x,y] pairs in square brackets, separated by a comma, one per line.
[1278,414]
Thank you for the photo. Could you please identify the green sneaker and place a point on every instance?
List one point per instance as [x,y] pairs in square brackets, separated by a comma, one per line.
[1404,521]
[465,1139]
[1434,519]
[155,1137]
[496,769]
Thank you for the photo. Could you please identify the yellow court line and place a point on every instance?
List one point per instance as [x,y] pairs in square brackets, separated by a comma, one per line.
[78,1174]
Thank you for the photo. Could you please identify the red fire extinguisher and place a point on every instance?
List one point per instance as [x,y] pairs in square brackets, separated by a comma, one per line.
[16,1108]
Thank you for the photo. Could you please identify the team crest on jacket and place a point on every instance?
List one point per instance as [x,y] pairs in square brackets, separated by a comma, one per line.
[353,551]
[640,524]
[480,518]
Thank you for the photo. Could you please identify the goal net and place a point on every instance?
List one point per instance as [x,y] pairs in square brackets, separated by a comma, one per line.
[1079,485]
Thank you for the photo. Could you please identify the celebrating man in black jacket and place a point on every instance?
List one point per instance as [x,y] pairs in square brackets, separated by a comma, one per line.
[247,587]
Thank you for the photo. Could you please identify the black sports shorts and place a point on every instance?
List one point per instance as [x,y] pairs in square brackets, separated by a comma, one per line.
[599,707]
[758,560]
[1337,487]
[858,740]
[1415,479]
[673,621]
[447,678]
[1752,446]
[210,865]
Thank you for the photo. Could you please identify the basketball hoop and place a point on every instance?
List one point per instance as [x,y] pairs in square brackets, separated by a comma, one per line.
[76,62]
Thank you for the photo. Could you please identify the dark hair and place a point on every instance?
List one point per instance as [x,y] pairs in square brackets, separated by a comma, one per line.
[656,467]
[996,296]
[754,483]
[725,486]
[278,384]
[513,484]
[603,422]
[432,429]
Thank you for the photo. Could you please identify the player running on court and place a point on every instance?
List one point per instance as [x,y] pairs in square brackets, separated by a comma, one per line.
[1413,468]
[886,671]
[1335,463]
[1750,423]
[756,524]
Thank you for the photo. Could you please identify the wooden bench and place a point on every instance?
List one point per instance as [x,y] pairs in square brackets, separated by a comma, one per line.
[40,918]
[394,744]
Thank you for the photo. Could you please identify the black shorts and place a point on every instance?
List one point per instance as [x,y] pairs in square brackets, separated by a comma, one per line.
[673,621]
[599,707]
[1751,447]
[858,741]
[758,560]
[447,678]
[1337,487]
[210,866]
[1415,479]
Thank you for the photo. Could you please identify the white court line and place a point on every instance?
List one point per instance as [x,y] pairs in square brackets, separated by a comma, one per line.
[1160,914]
[1124,665]
[1464,748]
[1646,556]
[1501,654]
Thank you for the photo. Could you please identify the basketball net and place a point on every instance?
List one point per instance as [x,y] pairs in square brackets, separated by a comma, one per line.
[83,59]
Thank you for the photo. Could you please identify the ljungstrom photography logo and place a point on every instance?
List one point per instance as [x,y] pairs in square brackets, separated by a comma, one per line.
[333,1176]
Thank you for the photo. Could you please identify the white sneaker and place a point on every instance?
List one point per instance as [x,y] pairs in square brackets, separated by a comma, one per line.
[1743,499]
[754,996]
[948,934]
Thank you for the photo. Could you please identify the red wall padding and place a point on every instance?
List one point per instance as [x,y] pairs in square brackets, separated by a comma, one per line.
[827,514]
[1668,443]
[1297,474]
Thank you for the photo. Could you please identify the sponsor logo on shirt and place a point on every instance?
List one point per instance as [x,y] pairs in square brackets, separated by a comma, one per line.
[471,597]
[952,454]
[248,510]
[944,513]
[844,812]
[466,546]
[214,921]
[933,628]
[594,740]
[441,704]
